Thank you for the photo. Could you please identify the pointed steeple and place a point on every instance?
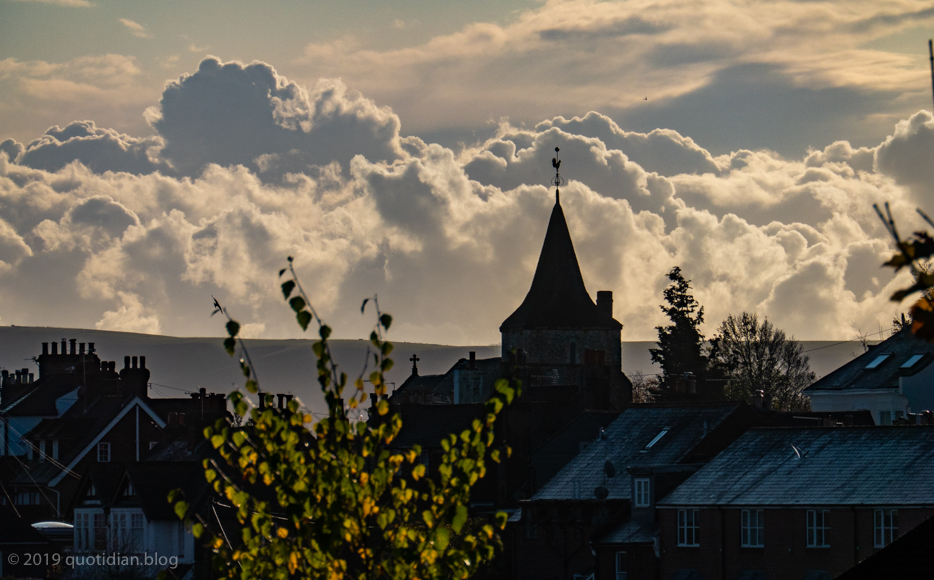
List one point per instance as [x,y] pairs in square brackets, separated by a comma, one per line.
[558,297]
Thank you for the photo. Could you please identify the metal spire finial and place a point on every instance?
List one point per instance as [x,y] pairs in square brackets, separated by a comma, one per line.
[557,180]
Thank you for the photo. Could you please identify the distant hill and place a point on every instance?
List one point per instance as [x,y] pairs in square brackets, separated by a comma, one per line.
[181,365]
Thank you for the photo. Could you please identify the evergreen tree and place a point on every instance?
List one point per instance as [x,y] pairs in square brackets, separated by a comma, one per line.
[680,344]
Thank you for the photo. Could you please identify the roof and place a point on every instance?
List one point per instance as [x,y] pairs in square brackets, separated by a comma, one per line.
[558,297]
[627,444]
[40,400]
[817,466]
[629,532]
[427,425]
[867,371]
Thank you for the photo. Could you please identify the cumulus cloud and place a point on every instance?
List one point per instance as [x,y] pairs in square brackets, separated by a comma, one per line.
[139,233]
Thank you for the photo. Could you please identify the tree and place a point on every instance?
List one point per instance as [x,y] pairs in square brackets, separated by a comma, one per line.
[644,387]
[680,344]
[336,503]
[758,357]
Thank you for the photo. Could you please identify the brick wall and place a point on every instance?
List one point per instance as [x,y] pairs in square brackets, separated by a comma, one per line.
[784,553]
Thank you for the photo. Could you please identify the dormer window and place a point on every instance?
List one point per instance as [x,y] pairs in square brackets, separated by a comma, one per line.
[643,492]
[128,491]
[92,491]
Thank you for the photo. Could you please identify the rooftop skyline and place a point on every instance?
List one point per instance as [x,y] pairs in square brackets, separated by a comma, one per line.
[405,151]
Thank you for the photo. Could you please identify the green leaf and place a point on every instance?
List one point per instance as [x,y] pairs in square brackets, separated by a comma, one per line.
[287,288]
[230,345]
[385,320]
[297,303]
[233,327]
[181,508]
[460,517]
[304,318]
[442,539]
[324,332]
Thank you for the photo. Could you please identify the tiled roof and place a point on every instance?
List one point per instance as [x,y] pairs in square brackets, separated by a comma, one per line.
[817,467]
[900,348]
[626,438]
[558,297]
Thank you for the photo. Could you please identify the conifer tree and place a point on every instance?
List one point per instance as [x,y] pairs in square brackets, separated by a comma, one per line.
[681,346]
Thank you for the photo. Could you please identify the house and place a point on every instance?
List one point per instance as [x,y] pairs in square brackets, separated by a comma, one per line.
[82,411]
[796,503]
[611,486]
[892,379]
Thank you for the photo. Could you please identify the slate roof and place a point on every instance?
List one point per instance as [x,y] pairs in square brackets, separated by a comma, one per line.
[839,466]
[626,438]
[558,297]
[39,400]
[629,532]
[900,347]
[426,425]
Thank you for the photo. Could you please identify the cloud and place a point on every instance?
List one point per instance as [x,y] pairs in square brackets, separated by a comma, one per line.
[135,28]
[231,113]
[140,232]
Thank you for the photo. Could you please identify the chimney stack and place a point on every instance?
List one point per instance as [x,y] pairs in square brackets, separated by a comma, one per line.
[54,348]
[64,346]
[134,359]
[73,342]
[605,301]
[142,362]
[45,348]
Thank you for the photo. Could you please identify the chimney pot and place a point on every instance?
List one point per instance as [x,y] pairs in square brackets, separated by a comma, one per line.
[473,360]
[142,362]
[80,348]
[280,396]
[262,400]
[45,348]
[134,362]
[605,301]
[54,348]
[73,342]
[126,362]
[202,391]
[64,346]
[32,377]
[90,348]
[113,366]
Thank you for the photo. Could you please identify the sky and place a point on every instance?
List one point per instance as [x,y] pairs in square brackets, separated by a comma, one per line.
[156,154]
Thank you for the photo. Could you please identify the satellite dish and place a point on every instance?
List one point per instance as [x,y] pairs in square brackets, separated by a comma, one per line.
[601,492]
[608,469]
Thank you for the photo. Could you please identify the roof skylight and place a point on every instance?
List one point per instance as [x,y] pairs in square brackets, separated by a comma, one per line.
[877,361]
[911,362]
[656,439]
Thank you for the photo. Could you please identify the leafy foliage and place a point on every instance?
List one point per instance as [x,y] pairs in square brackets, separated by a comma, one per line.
[680,344]
[335,502]
[914,254]
[644,387]
[759,357]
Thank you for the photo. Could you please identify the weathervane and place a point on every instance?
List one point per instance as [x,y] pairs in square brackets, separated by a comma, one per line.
[557,180]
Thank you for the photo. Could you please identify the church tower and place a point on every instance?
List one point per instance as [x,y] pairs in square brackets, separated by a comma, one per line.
[558,331]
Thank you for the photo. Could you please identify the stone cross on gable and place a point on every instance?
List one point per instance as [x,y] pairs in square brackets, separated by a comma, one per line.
[415,360]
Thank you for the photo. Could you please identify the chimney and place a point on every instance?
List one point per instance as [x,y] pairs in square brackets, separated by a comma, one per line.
[262,400]
[45,348]
[202,391]
[54,348]
[64,346]
[73,342]
[472,364]
[605,301]
[126,362]
[90,348]
[80,348]
[142,362]
[134,359]
[32,377]
[280,397]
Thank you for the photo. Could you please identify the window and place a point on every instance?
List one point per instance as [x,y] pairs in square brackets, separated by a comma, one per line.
[877,361]
[103,452]
[643,498]
[121,531]
[129,491]
[817,529]
[911,362]
[82,531]
[751,529]
[661,434]
[886,527]
[622,566]
[688,528]
[100,533]
[136,531]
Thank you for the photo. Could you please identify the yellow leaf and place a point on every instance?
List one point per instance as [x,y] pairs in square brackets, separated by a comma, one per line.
[282,532]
